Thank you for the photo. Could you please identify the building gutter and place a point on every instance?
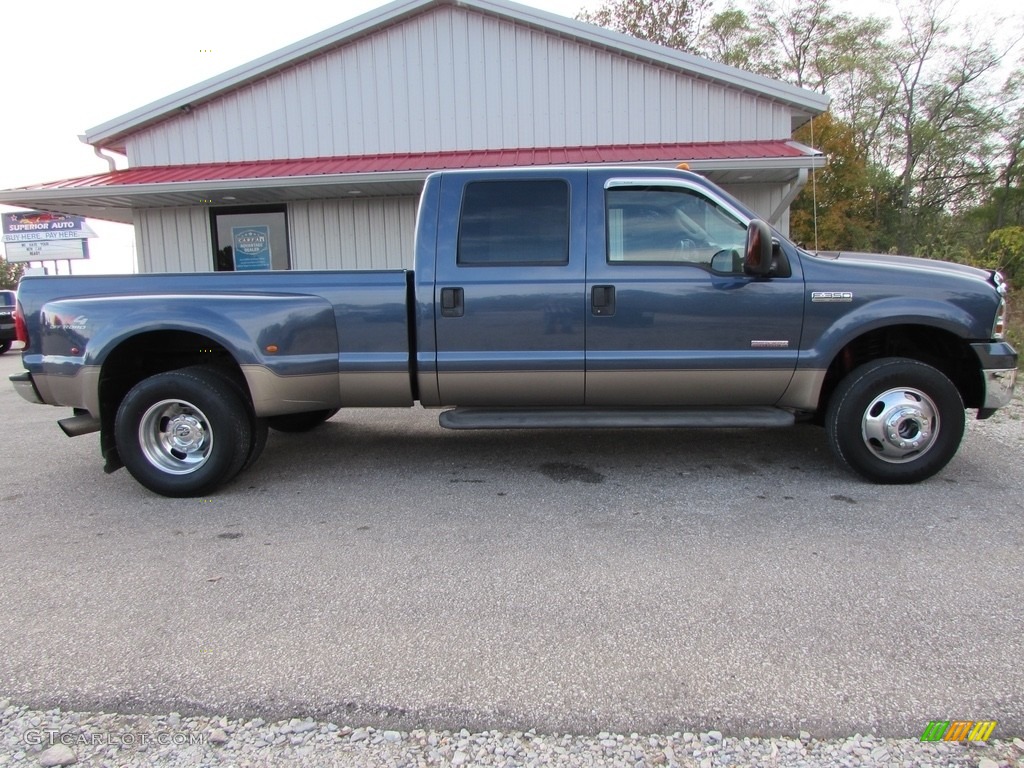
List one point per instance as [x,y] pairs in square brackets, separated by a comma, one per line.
[98,151]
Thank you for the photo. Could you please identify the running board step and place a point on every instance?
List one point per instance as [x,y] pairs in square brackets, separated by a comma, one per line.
[615,418]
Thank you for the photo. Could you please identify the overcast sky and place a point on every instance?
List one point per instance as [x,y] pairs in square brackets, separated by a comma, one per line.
[79,65]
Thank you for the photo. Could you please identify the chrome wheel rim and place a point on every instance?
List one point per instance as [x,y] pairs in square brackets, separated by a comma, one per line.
[175,436]
[900,425]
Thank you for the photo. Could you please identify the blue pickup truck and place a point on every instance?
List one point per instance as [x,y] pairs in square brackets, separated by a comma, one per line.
[603,297]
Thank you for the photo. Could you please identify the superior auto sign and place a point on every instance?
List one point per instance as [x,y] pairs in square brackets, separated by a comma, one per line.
[28,226]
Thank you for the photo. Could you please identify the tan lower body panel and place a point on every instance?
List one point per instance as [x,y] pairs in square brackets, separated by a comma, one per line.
[375,389]
[511,388]
[675,387]
[785,389]
[803,391]
[274,395]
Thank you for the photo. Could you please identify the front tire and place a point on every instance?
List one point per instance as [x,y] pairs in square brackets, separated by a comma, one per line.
[183,433]
[895,420]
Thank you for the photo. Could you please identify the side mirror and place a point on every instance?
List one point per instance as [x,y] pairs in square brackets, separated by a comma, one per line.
[757,259]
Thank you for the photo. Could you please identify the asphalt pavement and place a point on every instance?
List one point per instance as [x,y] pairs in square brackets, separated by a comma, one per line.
[382,570]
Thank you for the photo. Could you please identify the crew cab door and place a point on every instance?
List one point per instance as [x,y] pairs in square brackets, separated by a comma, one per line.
[671,317]
[509,307]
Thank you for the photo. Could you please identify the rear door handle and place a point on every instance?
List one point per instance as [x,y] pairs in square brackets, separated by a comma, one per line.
[453,303]
[602,300]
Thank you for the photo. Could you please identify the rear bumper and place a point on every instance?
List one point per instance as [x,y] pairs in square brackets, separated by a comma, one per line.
[25,387]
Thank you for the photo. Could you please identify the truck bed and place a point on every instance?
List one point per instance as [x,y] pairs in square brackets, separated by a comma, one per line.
[303,340]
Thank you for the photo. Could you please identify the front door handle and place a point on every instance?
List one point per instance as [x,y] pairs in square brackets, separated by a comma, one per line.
[602,300]
[453,302]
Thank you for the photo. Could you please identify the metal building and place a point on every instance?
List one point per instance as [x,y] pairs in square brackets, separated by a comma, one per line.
[326,142]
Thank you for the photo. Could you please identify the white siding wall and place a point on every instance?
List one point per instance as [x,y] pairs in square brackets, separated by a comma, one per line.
[323,234]
[173,239]
[457,79]
[763,199]
[352,234]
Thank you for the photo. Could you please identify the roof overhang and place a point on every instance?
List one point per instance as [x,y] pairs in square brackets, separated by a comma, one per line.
[113,195]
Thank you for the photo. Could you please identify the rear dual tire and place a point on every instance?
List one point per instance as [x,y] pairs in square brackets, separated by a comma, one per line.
[186,432]
[258,426]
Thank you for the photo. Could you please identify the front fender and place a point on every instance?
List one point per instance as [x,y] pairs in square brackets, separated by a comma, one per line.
[830,333]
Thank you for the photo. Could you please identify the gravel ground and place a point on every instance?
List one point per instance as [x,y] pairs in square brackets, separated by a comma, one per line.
[55,737]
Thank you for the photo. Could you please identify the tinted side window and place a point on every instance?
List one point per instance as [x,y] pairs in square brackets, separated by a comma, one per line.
[514,222]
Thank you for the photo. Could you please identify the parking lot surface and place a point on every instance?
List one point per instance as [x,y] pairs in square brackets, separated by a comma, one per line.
[380,569]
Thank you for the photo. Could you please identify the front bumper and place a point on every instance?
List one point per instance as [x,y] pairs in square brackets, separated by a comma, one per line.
[999,373]
[999,387]
[25,387]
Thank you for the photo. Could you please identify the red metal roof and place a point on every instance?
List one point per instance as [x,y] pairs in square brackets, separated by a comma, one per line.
[432,161]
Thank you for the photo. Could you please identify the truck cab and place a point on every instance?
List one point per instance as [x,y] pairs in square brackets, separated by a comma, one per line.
[570,287]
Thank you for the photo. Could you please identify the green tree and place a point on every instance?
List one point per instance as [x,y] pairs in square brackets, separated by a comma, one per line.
[942,124]
[814,45]
[10,274]
[1008,195]
[811,45]
[1005,252]
[840,210]
[674,23]
[730,37]
[1003,204]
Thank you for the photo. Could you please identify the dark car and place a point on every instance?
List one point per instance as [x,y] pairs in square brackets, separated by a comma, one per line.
[7,332]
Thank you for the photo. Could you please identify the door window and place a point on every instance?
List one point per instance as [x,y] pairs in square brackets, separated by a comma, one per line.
[669,225]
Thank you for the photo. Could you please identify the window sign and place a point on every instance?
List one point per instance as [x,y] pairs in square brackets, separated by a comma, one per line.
[251,247]
[251,237]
